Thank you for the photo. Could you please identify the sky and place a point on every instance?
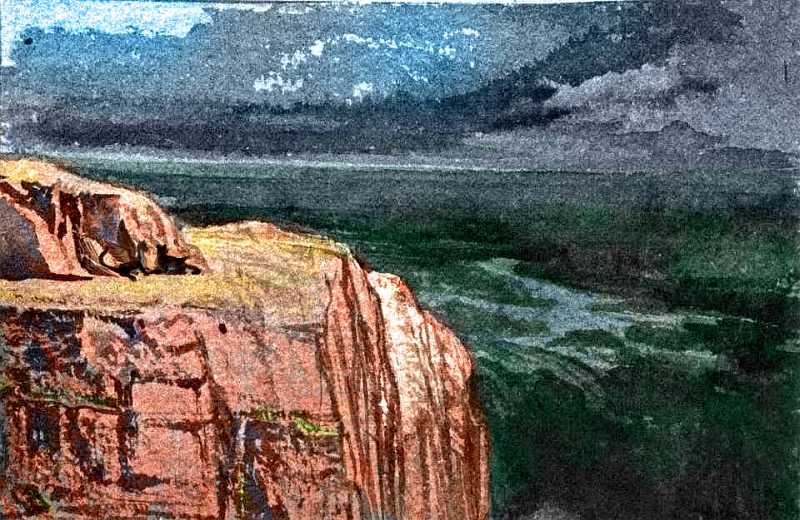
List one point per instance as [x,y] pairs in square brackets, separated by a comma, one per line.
[578,74]
[277,53]
[150,17]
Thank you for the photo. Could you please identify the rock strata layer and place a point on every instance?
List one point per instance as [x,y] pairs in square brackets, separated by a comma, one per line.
[284,382]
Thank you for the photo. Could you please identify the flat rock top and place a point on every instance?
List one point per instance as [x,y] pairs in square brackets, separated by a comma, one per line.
[254,267]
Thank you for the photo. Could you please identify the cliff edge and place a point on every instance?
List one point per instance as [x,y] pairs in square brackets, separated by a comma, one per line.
[285,382]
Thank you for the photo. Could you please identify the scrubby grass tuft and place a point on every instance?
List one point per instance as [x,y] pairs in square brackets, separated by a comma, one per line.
[311,429]
[264,413]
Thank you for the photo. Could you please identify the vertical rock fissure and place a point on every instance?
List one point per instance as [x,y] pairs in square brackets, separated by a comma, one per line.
[368,408]
[385,404]
[331,343]
[225,431]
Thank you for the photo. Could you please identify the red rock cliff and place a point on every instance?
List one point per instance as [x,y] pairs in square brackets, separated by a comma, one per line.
[285,382]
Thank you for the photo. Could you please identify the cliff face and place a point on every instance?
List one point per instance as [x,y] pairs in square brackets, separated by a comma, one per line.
[285,382]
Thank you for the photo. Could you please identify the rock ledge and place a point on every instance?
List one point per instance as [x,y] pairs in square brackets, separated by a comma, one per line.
[56,225]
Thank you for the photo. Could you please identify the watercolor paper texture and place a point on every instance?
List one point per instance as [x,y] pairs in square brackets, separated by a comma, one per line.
[589,210]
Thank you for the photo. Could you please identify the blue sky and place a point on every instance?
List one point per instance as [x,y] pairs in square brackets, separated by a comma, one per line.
[275,53]
[149,18]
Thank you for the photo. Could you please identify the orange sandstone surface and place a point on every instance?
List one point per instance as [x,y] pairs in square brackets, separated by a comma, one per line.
[285,381]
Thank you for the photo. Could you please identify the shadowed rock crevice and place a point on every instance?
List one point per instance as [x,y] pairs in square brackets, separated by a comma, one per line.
[20,257]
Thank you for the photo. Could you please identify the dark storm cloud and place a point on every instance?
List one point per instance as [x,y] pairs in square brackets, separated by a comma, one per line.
[730,84]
